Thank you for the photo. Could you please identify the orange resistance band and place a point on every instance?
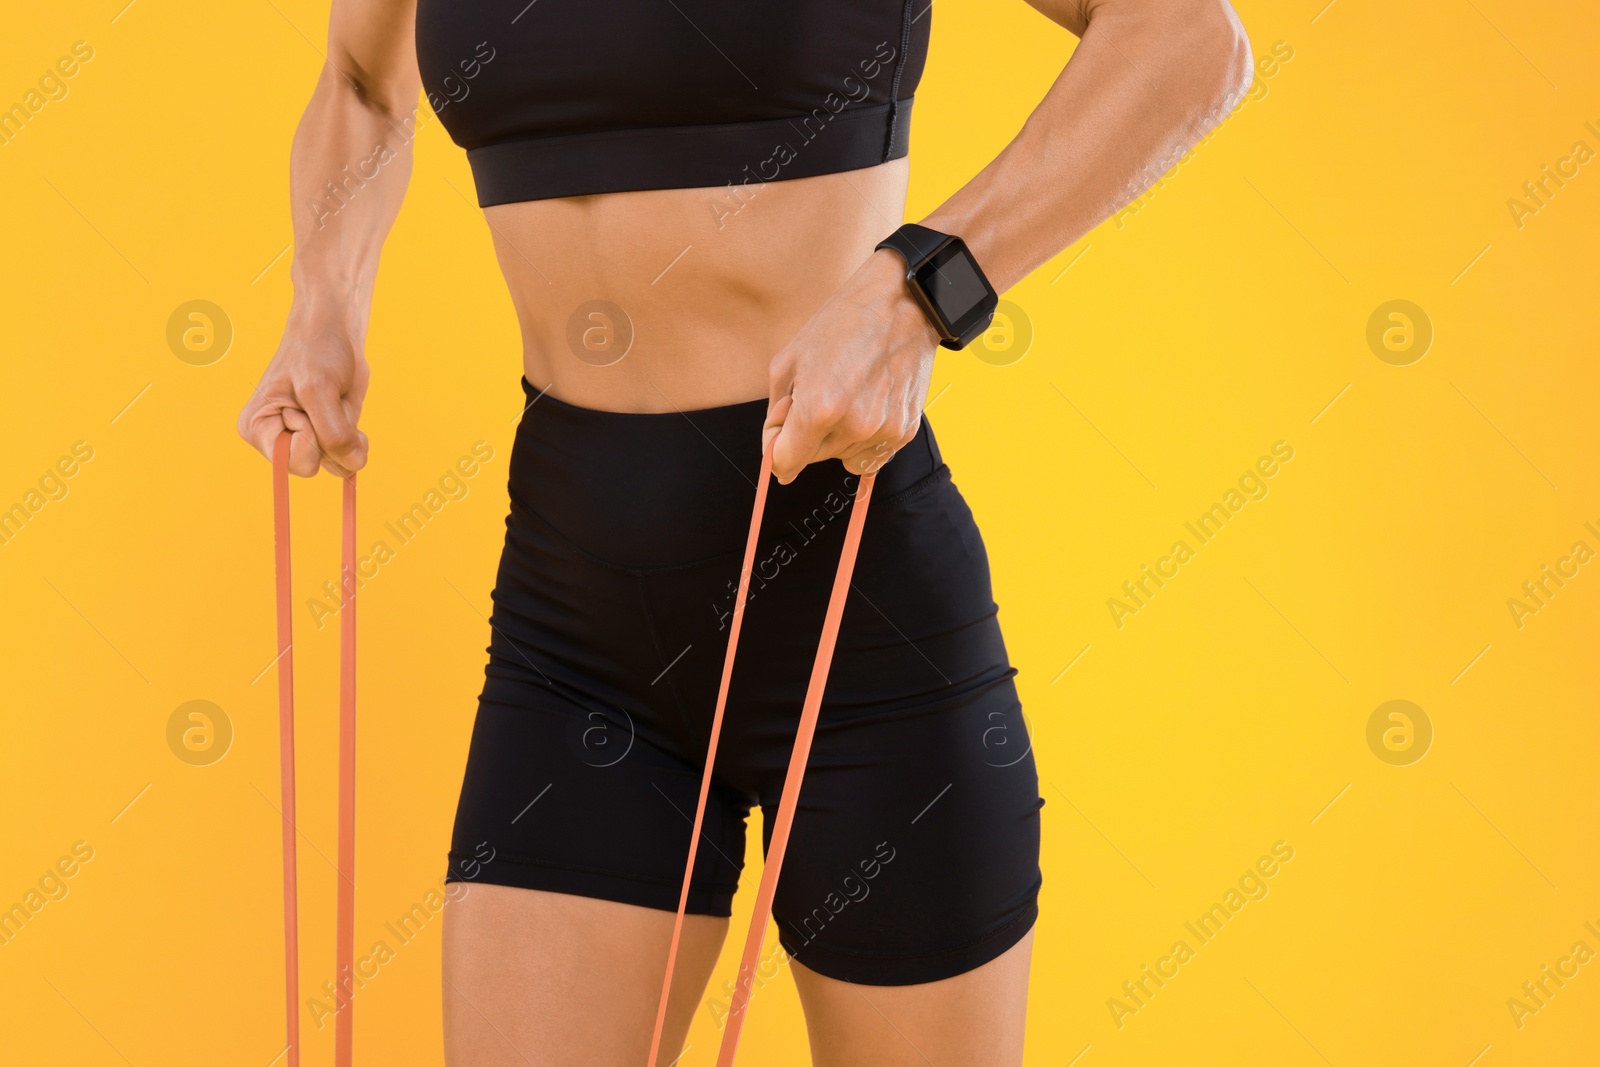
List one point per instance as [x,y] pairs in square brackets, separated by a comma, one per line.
[345,926]
[797,763]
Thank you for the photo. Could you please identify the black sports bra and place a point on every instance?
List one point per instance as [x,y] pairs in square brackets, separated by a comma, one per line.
[569,97]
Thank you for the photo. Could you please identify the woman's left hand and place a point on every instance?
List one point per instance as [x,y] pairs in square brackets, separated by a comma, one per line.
[852,383]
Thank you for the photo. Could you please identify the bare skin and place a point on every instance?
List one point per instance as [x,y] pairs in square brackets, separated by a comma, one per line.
[517,963]
[782,298]
[552,979]
[975,1018]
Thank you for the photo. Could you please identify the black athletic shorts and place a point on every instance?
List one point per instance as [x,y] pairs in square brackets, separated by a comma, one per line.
[915,849]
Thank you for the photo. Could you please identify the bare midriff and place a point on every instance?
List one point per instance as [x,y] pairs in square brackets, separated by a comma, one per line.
[677,299]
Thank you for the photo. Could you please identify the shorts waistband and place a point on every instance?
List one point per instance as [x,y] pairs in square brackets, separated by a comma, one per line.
[659,489]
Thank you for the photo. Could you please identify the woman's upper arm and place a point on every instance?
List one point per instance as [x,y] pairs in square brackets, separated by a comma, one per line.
[1075,15]
[1070,15]
[373,43]
[1200,38]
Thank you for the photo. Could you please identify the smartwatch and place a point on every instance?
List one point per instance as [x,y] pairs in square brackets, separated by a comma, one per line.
[946,281]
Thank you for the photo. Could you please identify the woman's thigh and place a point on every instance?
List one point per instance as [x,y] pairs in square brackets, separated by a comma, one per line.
[975,1019]
[541,979]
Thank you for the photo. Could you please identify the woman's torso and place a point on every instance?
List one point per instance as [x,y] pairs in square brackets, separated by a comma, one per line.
[673,189]
[640,301]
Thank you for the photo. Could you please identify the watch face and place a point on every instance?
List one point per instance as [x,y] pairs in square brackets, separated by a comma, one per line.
[956,289]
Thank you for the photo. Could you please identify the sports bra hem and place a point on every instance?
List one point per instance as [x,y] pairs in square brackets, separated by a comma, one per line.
[690,157]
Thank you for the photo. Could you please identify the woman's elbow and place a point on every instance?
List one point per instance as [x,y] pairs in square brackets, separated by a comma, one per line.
[1223,58]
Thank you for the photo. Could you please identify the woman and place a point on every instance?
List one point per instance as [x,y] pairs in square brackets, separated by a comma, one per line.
[687,200]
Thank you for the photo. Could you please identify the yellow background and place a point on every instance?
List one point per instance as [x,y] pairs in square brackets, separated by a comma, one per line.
[1227,313]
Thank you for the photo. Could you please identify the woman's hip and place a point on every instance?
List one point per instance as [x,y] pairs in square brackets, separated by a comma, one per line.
[622,554]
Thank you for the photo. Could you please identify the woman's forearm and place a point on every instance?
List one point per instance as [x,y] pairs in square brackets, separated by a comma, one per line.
[1148,80]
[348,171]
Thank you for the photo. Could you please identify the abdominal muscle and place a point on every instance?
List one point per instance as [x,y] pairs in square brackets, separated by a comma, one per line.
[710,282]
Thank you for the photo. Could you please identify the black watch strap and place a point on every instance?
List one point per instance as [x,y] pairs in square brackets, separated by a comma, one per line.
[914,243]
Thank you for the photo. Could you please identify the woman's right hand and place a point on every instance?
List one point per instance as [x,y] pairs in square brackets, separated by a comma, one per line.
[313,388]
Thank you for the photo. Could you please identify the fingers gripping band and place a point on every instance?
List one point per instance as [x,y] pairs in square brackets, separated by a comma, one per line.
[797,762]
[345,926]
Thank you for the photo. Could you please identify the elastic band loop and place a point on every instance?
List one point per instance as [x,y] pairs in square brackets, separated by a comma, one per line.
[797,762]
[345,924]
[762,480]
[790,799]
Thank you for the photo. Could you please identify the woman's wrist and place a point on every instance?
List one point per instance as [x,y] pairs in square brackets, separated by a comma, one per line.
[887,272]
[325,302]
